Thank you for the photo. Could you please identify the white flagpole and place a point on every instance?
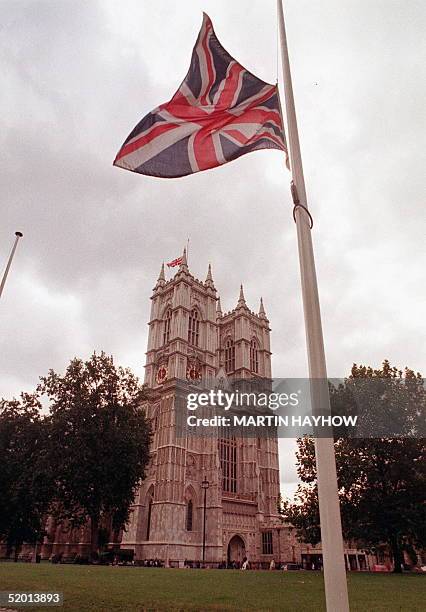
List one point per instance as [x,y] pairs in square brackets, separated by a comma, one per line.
[336,590]
[6,272]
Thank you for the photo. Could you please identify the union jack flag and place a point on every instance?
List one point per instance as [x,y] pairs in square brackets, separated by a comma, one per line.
[175,262]
[220,112]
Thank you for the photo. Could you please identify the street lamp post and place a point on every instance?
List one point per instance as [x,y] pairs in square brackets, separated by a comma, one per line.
[204,485]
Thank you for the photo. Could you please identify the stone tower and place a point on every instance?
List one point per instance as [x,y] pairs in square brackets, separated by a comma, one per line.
[191,339]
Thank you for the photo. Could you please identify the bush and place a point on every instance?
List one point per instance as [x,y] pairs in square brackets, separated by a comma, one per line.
[106,557]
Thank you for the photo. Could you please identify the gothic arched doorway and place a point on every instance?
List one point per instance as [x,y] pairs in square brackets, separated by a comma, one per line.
[236,550]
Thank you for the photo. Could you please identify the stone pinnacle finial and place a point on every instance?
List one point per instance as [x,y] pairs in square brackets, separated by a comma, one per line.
[242,299]
[209,278]
[184,262]
[218,309]
[161,277]
[209,273]
[262,312]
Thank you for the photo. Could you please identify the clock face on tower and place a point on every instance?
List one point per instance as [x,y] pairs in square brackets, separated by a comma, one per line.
[161,374]
[193,372]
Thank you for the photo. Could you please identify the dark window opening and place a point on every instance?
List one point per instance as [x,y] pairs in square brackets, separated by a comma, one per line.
[148,522]
[167,325]
[267,543]
[228,462]
[229,356]
[193,327]
[254,357]
[189,515]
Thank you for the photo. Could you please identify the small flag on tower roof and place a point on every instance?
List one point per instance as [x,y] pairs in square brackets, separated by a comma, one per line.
[175,262]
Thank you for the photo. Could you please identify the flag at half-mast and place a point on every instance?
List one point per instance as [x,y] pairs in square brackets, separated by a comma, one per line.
[220,112]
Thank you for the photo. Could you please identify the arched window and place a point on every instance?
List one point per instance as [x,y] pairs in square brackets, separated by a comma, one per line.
[167,324]
[229,356]
[189,515]
[193,327]
[228,463]
[254,357]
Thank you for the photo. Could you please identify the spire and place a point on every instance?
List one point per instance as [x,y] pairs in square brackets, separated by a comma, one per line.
[184,263]
[161,278]
[209,274]
[218,309]
[262,313]
[209,279]
[242,299]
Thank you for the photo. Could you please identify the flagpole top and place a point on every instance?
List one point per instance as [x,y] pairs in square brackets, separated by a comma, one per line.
[19,234]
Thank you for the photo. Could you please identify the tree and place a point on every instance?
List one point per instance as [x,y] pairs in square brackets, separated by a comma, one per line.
[99,441]
[26,480]
[381,479]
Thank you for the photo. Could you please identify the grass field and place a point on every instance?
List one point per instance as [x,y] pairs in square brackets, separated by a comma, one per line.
[135,589]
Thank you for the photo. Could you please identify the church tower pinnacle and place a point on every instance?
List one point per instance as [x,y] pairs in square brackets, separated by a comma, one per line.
[161,281]
[241,300]
[184,263]
[262,313]
[218,309]
[209,279]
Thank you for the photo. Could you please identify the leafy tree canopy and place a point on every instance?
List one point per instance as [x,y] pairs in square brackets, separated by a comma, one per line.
[26,479]
[99,440]
[381,480]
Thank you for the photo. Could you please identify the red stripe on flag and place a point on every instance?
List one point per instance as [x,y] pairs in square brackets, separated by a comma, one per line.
[231,86]
[204,151]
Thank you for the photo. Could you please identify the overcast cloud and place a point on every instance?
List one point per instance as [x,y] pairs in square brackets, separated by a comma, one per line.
[78,75]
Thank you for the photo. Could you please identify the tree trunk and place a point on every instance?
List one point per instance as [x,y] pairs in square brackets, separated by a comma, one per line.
[115,535]
[35,551]
[16,552]
[398,557]
[94,533]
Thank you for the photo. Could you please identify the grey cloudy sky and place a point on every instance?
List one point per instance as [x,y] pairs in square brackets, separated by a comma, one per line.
[78,75]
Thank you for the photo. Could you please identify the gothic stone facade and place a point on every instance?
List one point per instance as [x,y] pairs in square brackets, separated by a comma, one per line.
[191,339]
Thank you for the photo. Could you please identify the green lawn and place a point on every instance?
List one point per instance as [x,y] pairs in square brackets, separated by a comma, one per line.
[129,589]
